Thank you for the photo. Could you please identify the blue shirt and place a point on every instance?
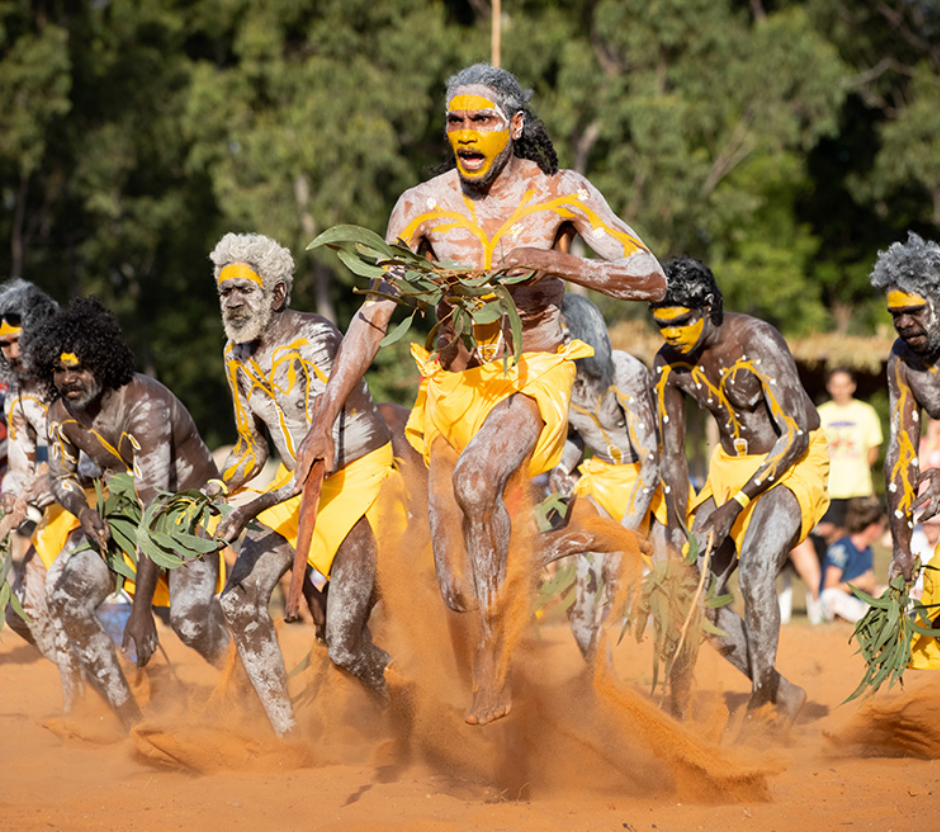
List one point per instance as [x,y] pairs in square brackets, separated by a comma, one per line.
[844,555]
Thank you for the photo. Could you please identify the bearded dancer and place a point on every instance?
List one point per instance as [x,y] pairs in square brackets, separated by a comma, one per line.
[909,274]
[278,361]
[122,421]
[506,203]
[739,369]
[611,412]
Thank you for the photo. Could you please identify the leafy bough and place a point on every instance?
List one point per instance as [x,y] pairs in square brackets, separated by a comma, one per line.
[7,595]
[884,634]
[474,297]
[167,532]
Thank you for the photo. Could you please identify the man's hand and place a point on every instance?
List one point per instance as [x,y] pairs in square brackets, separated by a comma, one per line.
[561,481]
[95,528]
[232,525]
[720,521]
[902,563]
[40,491]
[7,501]
[317,444]
[930,499]
[140,630]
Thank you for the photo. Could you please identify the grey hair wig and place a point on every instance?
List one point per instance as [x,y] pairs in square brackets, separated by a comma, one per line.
[913,266]
[273,263]
[584,321]
[34,306]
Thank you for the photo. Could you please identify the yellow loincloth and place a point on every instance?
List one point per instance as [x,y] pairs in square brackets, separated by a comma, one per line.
[925,650]
[807,478]
[455,405]
[614,486]
[347,495]
[57,524]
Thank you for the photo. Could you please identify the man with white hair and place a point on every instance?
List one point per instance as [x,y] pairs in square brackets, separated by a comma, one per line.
[909,274]
[278,362]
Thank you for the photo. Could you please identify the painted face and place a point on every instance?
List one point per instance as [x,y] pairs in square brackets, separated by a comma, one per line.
[75,383]
[478,131]
[10,347]
[915,320]
[680,326]
[246,307]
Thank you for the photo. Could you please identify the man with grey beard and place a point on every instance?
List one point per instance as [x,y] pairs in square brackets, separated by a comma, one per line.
[122,421]
[23,308]
[278,362]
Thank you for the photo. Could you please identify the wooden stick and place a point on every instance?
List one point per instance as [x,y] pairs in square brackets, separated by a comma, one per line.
[309,502]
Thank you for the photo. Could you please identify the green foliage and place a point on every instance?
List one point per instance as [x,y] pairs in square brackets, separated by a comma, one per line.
[7,595]
[167,532]
[885,632]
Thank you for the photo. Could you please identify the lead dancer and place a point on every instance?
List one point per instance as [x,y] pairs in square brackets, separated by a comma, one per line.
[505,203]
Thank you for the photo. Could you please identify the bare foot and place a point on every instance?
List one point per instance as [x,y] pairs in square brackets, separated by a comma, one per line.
[488,706]
[790,700]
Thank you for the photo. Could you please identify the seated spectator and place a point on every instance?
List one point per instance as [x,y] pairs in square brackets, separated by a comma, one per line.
[850,560]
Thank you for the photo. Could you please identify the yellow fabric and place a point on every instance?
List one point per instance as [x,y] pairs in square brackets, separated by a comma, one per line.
[455,405]
[615,486]
[806,478]
[925,650]
[57,524]
[347,495]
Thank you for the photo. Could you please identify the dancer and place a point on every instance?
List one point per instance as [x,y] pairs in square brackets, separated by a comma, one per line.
[278,361]
[740,370]
[505,203]
[23,309]
[612,412]
[909,274]
[122,421]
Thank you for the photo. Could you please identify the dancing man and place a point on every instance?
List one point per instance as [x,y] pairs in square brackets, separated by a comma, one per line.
[505,203]
[612,412]
[23,309]
[122,421]
[739,369]
[909,274]
[278,361]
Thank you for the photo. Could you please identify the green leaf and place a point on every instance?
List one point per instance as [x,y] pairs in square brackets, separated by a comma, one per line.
[354,234]
[398,331]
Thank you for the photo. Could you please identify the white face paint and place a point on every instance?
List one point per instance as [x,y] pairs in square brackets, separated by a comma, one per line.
[246,309]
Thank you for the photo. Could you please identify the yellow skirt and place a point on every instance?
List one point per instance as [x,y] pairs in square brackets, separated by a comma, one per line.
[925,650]
[347,495]
[455,405]
[615,486]
[807,478]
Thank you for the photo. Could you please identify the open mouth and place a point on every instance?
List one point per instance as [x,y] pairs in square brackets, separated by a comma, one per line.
[471,159]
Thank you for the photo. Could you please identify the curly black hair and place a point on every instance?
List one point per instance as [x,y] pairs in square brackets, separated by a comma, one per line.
[534,143]
[26,302]
[90,331]
[690,283]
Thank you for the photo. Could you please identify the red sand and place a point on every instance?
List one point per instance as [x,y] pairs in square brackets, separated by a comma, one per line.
[572,755]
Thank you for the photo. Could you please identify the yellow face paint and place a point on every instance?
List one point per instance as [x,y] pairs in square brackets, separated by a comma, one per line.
[68,359]
[683,338]
[6,330]
[670,313]
[904,300]
[490,142]
[236,271]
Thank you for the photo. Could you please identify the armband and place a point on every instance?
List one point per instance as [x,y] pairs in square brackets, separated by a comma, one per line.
[742,499]
[224,490]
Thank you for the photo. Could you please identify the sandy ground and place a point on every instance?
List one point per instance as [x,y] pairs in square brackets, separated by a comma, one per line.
[578,752]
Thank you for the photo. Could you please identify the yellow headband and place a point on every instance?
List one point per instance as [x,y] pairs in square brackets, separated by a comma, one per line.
[234,271]
[68,359]
[670,313]
[899,300]
[6,329]
[472,103]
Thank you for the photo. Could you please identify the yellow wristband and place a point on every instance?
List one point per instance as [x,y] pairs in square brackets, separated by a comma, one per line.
[742,499]
[223,488]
